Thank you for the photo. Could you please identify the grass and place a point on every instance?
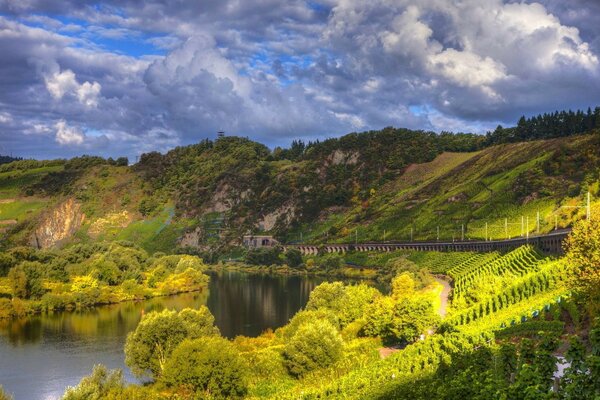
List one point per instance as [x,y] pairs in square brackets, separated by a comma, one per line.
[462,189]
[21,208]
[13,182]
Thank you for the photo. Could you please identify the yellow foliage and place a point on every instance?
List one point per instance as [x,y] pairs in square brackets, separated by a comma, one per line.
[81,283]
[109,222]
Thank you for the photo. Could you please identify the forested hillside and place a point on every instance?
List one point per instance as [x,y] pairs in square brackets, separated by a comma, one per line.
[392,184]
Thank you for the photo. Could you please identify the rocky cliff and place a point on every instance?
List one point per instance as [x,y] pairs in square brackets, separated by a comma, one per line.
[58,224]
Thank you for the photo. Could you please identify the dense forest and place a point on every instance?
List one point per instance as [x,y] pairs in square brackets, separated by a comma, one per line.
[547,126]
[8,159]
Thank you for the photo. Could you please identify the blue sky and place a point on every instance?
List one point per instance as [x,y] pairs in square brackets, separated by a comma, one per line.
[125,77]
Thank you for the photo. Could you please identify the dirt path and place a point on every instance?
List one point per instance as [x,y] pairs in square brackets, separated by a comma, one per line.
[443,295]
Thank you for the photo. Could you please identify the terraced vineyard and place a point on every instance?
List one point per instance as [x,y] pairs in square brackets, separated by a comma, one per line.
[487,273]
[530,288]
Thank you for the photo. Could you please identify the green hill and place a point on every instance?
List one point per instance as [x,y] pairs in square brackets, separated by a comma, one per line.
[391,184]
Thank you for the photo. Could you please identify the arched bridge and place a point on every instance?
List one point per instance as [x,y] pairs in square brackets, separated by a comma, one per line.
[551,243]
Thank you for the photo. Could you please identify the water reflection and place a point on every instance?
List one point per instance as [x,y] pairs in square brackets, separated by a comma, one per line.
[42,354]
[115,320]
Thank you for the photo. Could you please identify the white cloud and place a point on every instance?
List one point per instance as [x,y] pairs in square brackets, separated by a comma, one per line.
[68,135]
[64,83]
[88,93]
[61,83]
[5,118]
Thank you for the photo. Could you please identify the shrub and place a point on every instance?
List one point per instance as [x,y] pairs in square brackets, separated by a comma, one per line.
[158,334]
[306,316]
[293,258]
[210,366]
[97,386]
[26,280]
[315,345]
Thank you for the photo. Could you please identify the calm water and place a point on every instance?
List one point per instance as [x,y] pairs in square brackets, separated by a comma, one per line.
[41,355]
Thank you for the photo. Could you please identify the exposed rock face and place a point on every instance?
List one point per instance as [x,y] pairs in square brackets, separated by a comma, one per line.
[283,214]
[192,239]
[339,157]
[60,223]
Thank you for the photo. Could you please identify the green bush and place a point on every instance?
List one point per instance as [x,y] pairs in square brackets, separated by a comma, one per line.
[26,280]
[100,385]
[159,333]
[293,258]
[210,366]
[314,346]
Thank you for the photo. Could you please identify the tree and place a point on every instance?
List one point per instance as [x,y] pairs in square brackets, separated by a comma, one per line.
[315,345]
[122,162]
[158,334]
[403,286]
[210,366]
[583,259]
[26,280]
[401,320]
[293,258]
[6,263]
[327,295]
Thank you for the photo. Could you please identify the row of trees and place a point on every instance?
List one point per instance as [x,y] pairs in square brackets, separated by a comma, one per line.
[546,126]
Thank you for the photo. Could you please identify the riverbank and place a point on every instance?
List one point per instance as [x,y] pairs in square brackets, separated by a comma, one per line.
[87,293]
[345,272]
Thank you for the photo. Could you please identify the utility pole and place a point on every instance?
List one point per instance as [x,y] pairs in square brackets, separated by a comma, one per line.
[556,222]
[506,227]
[486,231]
[462,232]
[527,228]
[438,233]
[384,236]
[411,234]
[522,226]
[538,222]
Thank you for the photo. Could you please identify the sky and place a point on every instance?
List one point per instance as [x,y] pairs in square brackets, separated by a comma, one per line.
[124,77]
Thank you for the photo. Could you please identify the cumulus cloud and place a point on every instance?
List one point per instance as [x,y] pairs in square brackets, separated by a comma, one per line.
[138,76]
[68,135]
[60,84]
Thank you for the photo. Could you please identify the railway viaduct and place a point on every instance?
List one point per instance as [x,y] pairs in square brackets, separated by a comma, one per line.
[551,243]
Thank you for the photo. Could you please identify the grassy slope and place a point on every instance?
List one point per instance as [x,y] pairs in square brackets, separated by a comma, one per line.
[465,188]
[505,181]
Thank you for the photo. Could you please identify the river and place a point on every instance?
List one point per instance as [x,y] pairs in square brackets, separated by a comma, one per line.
[43,354]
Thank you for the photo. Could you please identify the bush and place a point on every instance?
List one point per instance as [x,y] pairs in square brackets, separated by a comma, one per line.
[263,256]
[26,280]
[159,333]
[6,263]
[327,295]
[293,258]
[347,302]
[306,316]
[315,345]
[399,320]
[6,308]
[99,385]
[210,366]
